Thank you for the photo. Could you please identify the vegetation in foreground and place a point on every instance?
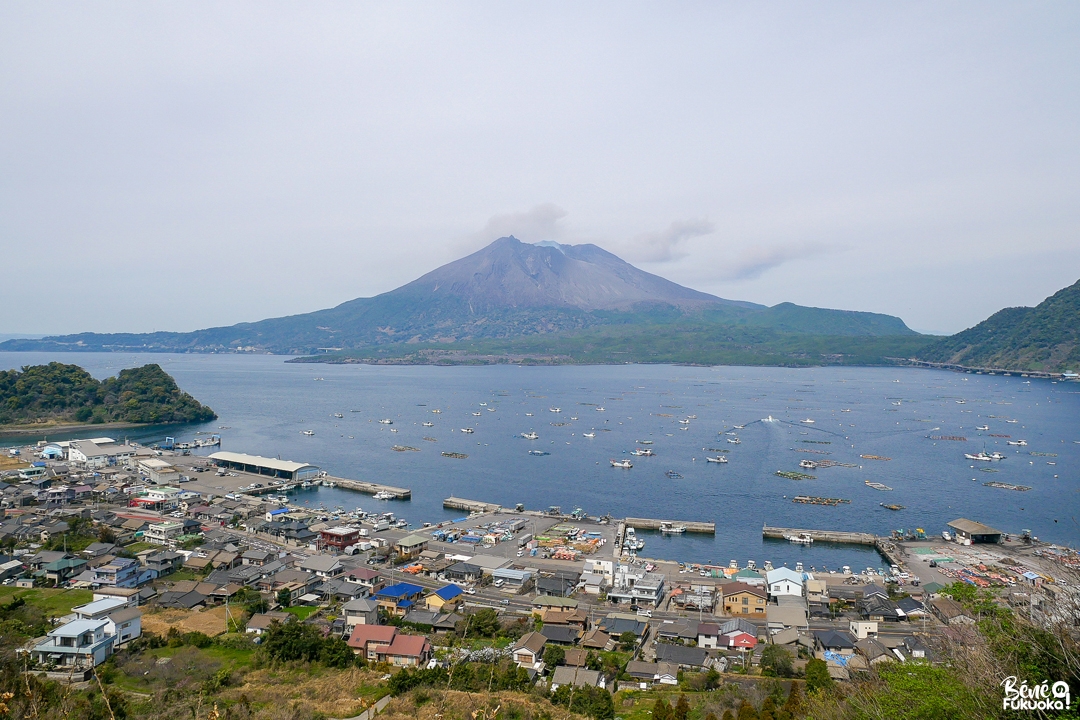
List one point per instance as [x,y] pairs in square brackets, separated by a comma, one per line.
[66,393]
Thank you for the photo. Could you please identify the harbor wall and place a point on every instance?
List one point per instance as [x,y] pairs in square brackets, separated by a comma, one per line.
[707,528]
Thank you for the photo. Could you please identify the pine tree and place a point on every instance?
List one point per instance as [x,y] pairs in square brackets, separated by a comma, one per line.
[728,715]
[682,708]
[747,712]
[661,710]
[768,707]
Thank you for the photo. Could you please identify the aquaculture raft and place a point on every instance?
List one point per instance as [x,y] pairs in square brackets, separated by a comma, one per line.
[813,500]
[1007,486]
[874,457]
[459,456]
[404,448]
[792,475]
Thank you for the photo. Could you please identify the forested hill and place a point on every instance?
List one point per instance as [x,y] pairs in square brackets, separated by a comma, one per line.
[66,393]
[1045,337]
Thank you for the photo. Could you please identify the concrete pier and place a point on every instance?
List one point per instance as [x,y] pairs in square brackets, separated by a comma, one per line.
[833,536]
[370,488]
[456,503]
[707,528]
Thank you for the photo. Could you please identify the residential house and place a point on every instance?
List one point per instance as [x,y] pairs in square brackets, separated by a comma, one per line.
[635,586]
[369,580]
[165,562]
[323,566]
[398,599]
[784,581]
[561,634]
[739,598]
[576,676]
[411,546]
[680,632]
[834,641]
[782,617]
[80,644]
[261,622]
[615,624]
[863,629]
[445,599]
[950,612]
[384,643]
[685,657]
[124,625]
[529,651]
[463,572]
[62,570]
[708,635]
[163,533]
[120,572]
[257,557]
[873,650]
[338,538]
[361,611]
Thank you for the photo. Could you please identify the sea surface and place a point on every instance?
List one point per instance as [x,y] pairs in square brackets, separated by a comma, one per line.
[263,405]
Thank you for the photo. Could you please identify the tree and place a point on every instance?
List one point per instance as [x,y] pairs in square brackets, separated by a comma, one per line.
[776,661]
[712,679]
[920,691]
[284,597]
[554,655]
[710,716]
[747,712]
[292,641]
[106,534]
[768,709]
[484,623]
[728,715]
[817,676]
[661,710]
[682,708]
[336,653]
[628,640]
[793,706]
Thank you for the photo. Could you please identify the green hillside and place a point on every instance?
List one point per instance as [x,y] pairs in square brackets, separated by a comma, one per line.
[1045,337]
[66,393]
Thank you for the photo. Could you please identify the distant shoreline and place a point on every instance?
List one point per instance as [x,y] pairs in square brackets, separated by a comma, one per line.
[46,428]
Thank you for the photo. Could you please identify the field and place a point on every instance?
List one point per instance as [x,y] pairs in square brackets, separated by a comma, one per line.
[302,612]
[52,601]
[210,622]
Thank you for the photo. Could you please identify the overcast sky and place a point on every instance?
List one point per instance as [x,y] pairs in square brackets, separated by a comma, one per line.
[172,166]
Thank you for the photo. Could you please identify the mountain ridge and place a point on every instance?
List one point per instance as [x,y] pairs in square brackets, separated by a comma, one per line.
[508,289]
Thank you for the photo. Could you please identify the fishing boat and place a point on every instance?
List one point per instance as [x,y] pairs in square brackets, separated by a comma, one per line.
[307,432]
[428,424]
[386,421]
[673,475]
[468,431]
[402,523]
[554,409]
[984,456]
[383,495]
[718,459]
[631,541]
[672,529]
[769,419]
[961,402]
[599,409]
[491,409]
[476,414]
[734,441]
[588,434]
[338,415]
[800,539]
[643,452]
[739,427]
[625,464]
[808,464]
[329,483]
[982,427]
[1020,443]
[531,435]
[807,421]
[1012,422]
[892,507]
[436,411]
[644,442]
[684,422]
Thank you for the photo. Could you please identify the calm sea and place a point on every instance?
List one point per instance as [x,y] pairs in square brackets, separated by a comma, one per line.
[264,404]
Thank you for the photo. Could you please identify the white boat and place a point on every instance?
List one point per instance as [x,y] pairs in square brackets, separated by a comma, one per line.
[1019,443]
[338,415]
[588,435]
[671,529]
[436,411]
[800,539]
[717,459]
[329,483]
[467,430]
[428,424]
[643,452]
[1012,422]
[402,523]
[386,421]
[572,417]
[625,464]
[393,429]
[383,495]
[530,435]
[476,414]
[630,540]
[305,484]
[769,419]
[997,456]
[491,409]
[961,402]
[307,432]
[845,410]
[982,427]
[643,442]
[808,464]
[739,427]
[554,409]
[691,417]
[978,456]
[734,441]
[528,414]
[807,421]
[483,404]
[600,409]
[684,422]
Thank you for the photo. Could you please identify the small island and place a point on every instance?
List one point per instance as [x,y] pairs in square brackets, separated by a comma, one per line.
[58,395]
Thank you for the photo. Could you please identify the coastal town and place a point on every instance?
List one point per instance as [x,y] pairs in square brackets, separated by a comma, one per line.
[180,542]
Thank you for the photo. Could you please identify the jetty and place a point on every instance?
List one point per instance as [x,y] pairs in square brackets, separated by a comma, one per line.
[369,488]
[833,536]
[707,528]
[473,506]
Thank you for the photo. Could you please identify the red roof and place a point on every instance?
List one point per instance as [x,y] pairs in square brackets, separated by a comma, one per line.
[407,646]
[363,634]
[735,588]
[741,640]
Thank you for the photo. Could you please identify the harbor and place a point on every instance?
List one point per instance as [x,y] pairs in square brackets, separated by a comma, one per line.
[690,526]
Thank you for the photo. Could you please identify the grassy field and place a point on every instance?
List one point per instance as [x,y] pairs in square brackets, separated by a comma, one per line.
[52,601]
[210,621]
[302,612]
[140,546]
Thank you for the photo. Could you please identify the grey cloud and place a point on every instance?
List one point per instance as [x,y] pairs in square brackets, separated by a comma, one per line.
[665,245]
[534,225]
[752,264]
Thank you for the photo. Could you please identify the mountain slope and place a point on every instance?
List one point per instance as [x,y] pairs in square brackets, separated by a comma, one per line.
[1045,337]
[507,290]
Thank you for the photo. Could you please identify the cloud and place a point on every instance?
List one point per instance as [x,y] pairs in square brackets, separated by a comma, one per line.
[534,225]
[664,245]
[753,263]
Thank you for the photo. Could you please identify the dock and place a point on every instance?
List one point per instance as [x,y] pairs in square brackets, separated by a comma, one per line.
[368,488]
[707,528]
[456,503]
[833,536]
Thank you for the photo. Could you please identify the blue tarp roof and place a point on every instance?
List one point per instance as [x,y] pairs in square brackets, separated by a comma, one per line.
[401,590]
[449,592]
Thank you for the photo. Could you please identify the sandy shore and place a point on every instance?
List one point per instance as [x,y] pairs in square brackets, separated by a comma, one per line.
[49,428]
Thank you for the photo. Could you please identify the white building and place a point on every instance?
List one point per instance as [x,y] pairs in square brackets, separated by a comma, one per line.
[784,581]
[159,471]
[163,533]
[99,453]
[80,644]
